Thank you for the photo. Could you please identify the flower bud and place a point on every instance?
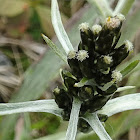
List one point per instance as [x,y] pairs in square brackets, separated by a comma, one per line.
[86,34]
[73,63]
[119,54]
[116,39]
[102,79]
[56,91]
[90,47]
[116,75]
[68,80]
[66,114]
[96,103]
[84,27]
[128,45]
[104,43]
[83,126]
[72,55]
[61,98]
[112,23]
[120,16]
[104,63]
[85,93]
[96,29]
[84,63]
[82,55]
[107,59]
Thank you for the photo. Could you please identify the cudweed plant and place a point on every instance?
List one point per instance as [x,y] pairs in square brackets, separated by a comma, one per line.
[84,99]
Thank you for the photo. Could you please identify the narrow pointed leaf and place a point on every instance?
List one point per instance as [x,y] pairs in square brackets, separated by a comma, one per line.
[55,48]
[123,7]
[85,81]
[72,127]
[81,83]
[106,86]
[97,126]
[67,73]
[129,68]
[120,104]
[124,88]
[58,27]
[32,106]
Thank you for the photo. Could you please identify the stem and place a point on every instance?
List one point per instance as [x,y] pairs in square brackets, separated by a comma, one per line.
[97,126]
[72,127]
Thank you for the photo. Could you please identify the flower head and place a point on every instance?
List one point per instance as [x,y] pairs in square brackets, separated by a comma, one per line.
[96,28]
[128,45]
[56,90]
[84,27]
[72,55]
[82,55]
[116,75]
[121,17]
[112,23]
[107,59]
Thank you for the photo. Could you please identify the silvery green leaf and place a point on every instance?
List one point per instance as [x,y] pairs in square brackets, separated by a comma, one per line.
[55,48]
[81,83]
[60,72]
[124,88]
[120,104]
[58,27]
[123,7]
[85,81]
[74,116]
[103,7]
[129,68]
[97,126]
[67,73]
[106,86]
[31,106]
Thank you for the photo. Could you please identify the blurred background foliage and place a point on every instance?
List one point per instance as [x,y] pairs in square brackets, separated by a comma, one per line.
[27,73]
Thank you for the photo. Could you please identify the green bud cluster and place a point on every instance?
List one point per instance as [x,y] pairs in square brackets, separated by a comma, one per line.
[96,59]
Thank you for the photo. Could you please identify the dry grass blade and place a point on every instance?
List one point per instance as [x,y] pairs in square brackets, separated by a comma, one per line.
[4,92]
[6,69]
[8,81]
[32,49]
